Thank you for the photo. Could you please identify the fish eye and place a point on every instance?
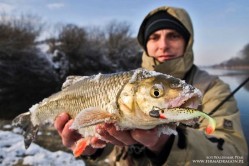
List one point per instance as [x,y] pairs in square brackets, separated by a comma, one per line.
[157,91]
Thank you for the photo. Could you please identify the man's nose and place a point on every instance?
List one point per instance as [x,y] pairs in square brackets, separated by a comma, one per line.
[163,43]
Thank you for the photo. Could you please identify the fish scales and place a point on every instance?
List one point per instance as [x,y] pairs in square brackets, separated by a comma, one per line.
[94,91]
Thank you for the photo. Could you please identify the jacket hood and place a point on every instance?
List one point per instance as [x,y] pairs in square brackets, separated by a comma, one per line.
[175,67]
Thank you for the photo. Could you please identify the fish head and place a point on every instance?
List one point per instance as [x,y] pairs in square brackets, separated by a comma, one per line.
[163,92]
[148,92]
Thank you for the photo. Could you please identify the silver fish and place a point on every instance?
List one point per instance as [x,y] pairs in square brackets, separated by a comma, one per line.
[125,99]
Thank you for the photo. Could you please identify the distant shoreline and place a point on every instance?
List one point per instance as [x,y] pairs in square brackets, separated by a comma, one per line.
[227,70]
[227,67]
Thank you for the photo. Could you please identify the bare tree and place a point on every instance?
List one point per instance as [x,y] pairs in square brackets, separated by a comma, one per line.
[72,38]
[83,49]
[245,54]
[91,50]
[19,32]
[121,46]
[27,77]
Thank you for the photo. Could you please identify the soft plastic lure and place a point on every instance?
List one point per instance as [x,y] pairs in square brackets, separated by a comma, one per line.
[182,114]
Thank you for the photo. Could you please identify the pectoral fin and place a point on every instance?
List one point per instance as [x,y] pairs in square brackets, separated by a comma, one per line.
[92,116]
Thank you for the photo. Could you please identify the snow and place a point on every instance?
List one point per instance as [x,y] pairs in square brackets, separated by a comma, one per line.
[81,78]
[166,130]
[145,74]
[12,151]
[97,77]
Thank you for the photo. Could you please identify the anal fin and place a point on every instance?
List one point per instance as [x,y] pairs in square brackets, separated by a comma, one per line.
[80,146]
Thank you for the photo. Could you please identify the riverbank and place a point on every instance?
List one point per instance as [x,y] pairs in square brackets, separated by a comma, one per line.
[47,150]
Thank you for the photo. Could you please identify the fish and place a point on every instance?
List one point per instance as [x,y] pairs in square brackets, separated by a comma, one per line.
[129,99]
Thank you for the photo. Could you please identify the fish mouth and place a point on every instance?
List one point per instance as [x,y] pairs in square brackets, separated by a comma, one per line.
[191,101]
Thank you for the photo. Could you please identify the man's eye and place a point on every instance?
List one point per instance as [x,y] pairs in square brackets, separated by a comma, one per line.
[175,36]
[153,37]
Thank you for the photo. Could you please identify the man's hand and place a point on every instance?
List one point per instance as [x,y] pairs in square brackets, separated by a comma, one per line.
[70,137]
[148,138]
[109,134]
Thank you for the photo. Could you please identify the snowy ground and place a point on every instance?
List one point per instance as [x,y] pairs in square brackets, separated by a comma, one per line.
[12,152]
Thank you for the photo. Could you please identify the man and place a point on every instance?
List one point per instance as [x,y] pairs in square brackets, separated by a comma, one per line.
[166,35]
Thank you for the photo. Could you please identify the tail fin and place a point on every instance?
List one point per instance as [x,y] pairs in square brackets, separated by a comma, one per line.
[29,131]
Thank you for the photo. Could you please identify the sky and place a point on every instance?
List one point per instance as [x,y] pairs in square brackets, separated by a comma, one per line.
[221,27]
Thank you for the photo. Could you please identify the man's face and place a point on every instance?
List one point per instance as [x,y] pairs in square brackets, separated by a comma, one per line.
[165,44]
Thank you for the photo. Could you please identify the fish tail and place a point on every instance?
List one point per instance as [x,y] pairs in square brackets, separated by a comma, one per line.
[29,131]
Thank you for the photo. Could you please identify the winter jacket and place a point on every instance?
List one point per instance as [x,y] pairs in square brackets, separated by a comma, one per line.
[191,146]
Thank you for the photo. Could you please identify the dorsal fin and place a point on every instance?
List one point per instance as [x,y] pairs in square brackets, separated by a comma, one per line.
[70,80]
